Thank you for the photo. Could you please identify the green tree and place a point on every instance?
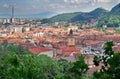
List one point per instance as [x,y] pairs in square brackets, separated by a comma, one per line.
[16,66]
[96,60]
[108,53]
[111,67]
[65,66]
[4,46]
[101,75]
[18,49]
[108,48]
[79,68]
[114,69]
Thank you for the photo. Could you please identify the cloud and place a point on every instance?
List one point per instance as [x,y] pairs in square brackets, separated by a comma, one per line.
[36,0]
[6,5]
[76,1]
[41,0]
[56,6]
[36,6]
[104,1]
[101,2]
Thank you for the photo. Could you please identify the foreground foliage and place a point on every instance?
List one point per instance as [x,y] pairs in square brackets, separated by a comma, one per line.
[18,63]
[111,67]
[15,66]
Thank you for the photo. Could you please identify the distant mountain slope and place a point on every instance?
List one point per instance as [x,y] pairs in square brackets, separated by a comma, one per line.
[115,10]
[86,17]
[109,20]
[61,17]
[112,19]
[100,15]
[64,17]
[77,16]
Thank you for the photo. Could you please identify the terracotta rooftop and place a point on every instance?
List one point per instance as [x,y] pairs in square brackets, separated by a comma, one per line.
[69,50]
[116,48]
[38,50]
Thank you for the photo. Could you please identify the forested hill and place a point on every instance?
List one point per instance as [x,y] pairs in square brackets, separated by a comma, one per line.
[61,17]
[76,16]
[116,10]
[111,19]
[103,16]
[87,17]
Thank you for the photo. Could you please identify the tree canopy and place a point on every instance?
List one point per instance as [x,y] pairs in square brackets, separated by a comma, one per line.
[111,67]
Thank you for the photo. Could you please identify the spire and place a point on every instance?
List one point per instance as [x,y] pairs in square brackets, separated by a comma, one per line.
[71,39]
[71,33]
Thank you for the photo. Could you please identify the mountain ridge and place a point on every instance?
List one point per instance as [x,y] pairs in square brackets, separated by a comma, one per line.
[115,10]
[76,16]
[100,15]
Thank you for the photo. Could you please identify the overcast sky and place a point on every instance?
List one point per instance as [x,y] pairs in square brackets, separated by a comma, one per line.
[59,6]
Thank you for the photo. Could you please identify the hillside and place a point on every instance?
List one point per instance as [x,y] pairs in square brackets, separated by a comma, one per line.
[87,17]
[77,16]
[115,10]
[109,18]
[112,19]
[61,17]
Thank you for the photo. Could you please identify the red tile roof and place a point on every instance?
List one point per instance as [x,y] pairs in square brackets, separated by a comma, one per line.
[38,50]
[116,48]
[69,50]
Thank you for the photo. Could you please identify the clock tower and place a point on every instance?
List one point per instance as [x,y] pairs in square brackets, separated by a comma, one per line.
[71,39]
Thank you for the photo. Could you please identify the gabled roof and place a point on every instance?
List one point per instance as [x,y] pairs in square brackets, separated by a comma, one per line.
[70,50]
[38,50]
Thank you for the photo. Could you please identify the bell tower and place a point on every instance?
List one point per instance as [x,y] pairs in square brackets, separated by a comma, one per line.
[71,39]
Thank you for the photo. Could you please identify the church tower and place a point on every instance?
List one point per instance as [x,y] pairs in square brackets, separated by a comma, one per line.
[71,39]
